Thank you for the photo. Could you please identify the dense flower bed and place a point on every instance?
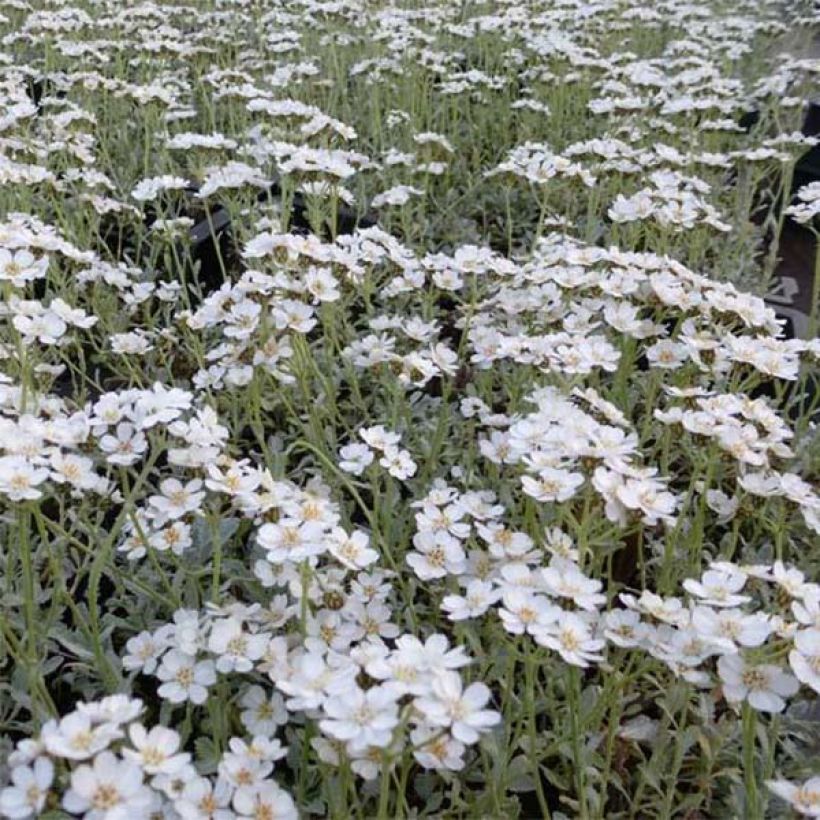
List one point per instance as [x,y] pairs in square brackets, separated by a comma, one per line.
[391,420]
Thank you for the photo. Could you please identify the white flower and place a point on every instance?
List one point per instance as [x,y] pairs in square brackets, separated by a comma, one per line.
[460,710]
[552,484]
[378,438]
[560,544]
[355,458]
[804,798]
[26,796]
[177,499]
[267,800]
[184,678]
[108,789]
[524,611]
[412,664]
[434,750]
[203,800]
[624,628]
[398,462]
[362,718]
[237,649]
[805,657]
[479,597]
[571,637]
[436,555]
[351,550]
[46,327]
[564,579]
[731,627]
[113,709]
[155,751]
[763,686]
[76,737]
[149,189]
[313,678]
[262,715]
[291,540]
[397,195]
[718,588]
[21,266]
[243,770]
[646,496]
[175,536]
[124,447]
[19,478]
[792,581]
[185,631]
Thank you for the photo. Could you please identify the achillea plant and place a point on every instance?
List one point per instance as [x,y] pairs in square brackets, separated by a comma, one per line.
[392,423]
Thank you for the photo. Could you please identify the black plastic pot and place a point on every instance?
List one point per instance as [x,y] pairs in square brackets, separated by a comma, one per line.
[808,166]
[39,87]
[211,240]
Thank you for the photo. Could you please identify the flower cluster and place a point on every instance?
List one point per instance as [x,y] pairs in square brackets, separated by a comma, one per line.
[394,416]
[100,761]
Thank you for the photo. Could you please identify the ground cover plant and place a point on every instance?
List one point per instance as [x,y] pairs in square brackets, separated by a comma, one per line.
[391,421]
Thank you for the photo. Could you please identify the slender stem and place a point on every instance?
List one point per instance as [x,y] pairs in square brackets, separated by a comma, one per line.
[532,749]
[574,707]
[753,811]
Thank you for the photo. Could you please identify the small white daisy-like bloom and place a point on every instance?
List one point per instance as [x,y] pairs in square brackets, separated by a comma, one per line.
[804,659]
[202,799]
[436,750]
[77,737]
[362,718]
[108,788]
[460,710]
[477,599]
[355,458]
[237,649]
[133,343]
[560,544]
[397,195]
[267,800]
[436,555]
[563,579]
[262,714]
[552,484]
[668,610]
[243,770]
[803,798]
[114,710]
[27,794]
[175,537]
[19,478]
[176,499]
[522,610]
[150,188]
[291,540]
[572,637]
[764,686]
[718,588]
[624,628]
[351,550]
[792,580]
[647,497]
[398,463]
[19,267]
[184,678]
[731,627]
[378,438]
[156,751]
[125,446]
